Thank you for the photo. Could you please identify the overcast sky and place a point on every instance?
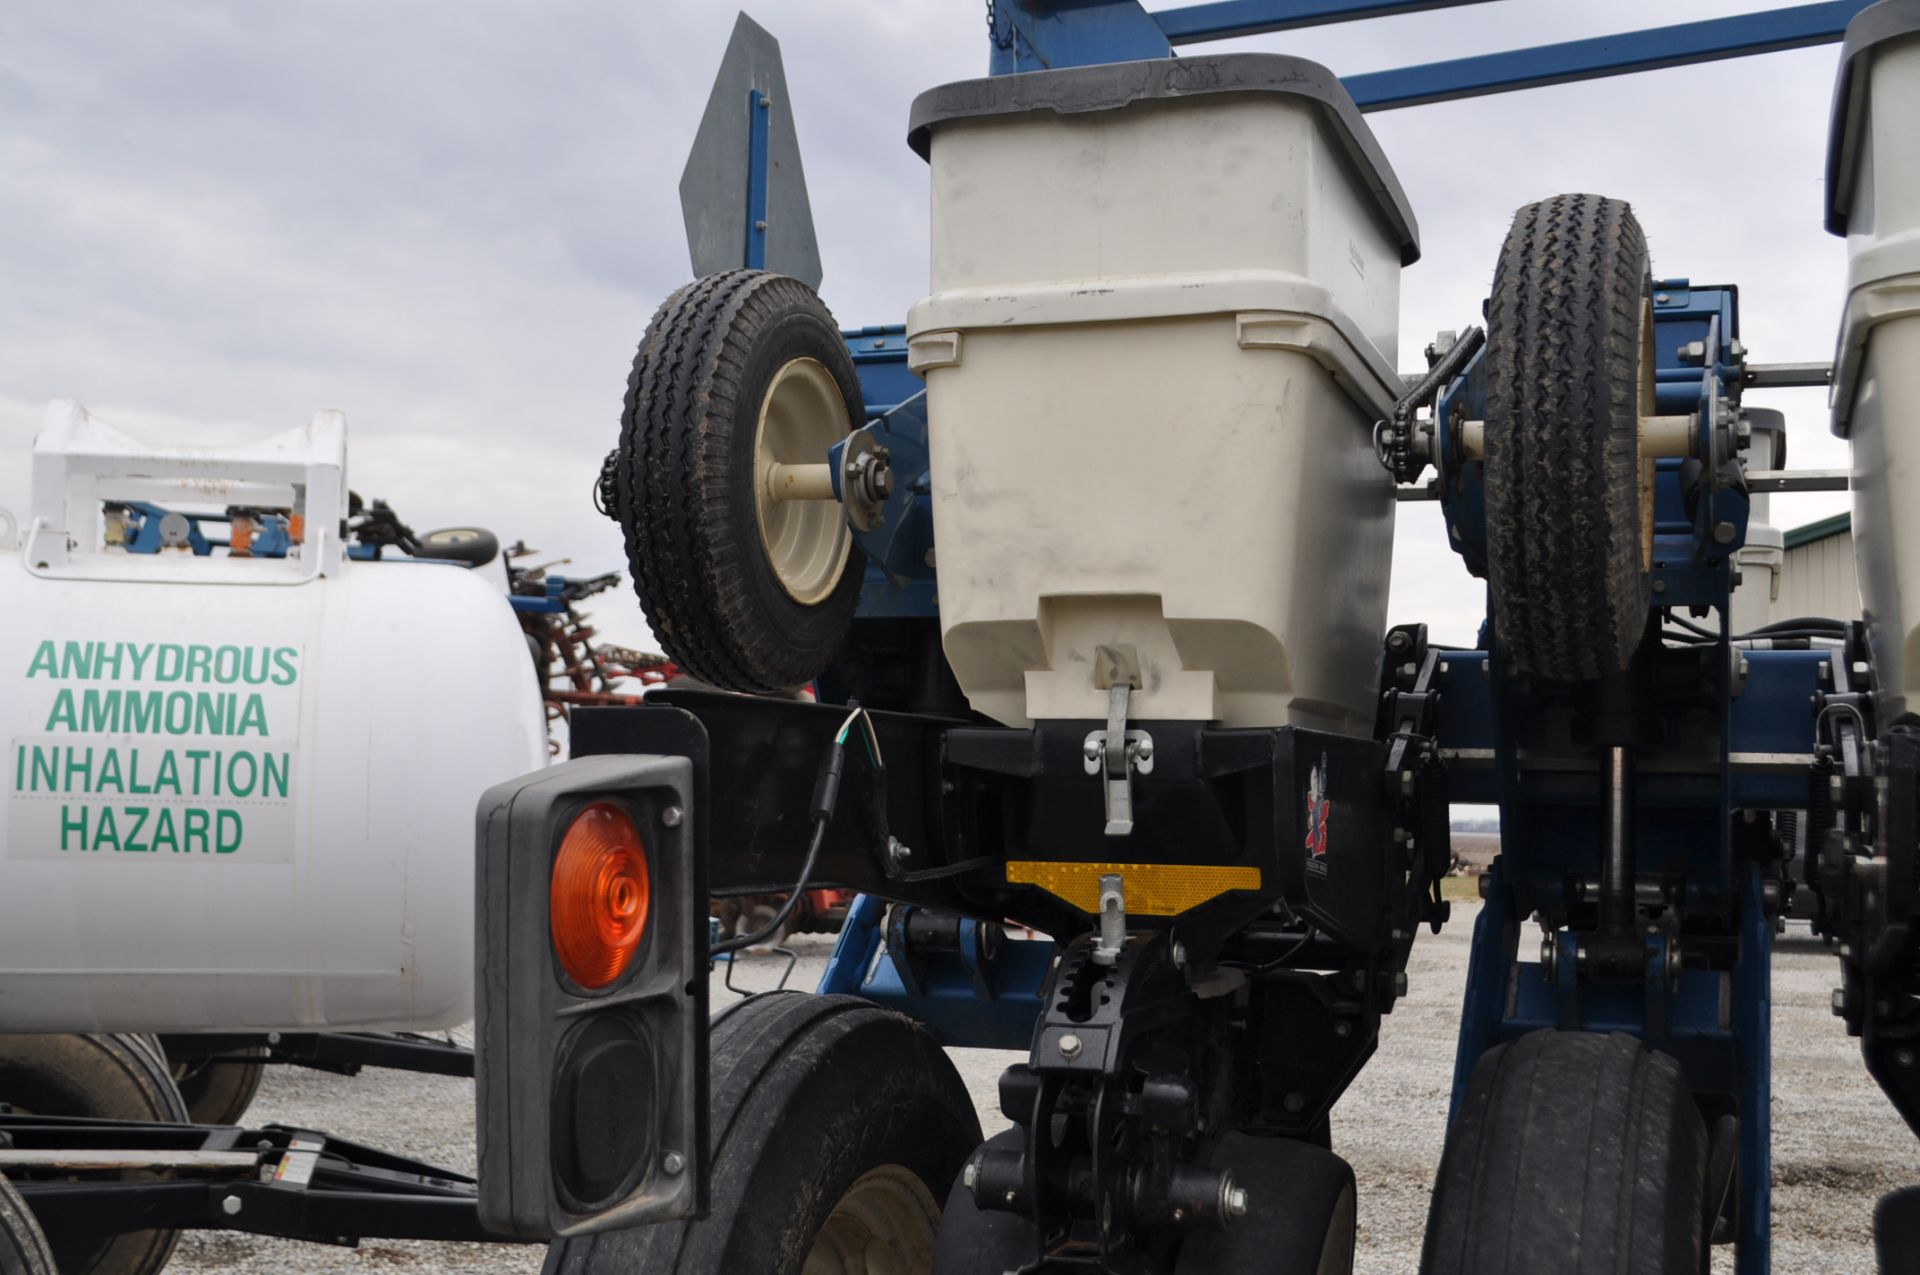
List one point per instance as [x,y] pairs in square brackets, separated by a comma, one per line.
[453,220]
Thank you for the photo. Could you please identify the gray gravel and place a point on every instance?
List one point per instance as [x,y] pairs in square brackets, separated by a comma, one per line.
[1837,1142]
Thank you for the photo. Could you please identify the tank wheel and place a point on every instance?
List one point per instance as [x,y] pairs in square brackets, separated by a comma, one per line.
[218,1090]
[23,1248]
[474,546]
[1303,1221]
[1569,374]
[748,586]
[1572,1152]
[837,1128]
[120,1077]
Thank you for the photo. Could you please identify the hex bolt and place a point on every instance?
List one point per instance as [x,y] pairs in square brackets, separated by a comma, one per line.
[673,1162]
[1143,750]
[231,1206]
[1236,1201]
[671,816]
[1069,1046]
[1398,642]
[898,851]
[1904,1057]
[1724,532]
[970,1174]
[1343,1029]
[1660,298]
[1092,750]
[1180,954]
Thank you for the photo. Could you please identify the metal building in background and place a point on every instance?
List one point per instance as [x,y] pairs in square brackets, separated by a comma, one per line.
[1816,576]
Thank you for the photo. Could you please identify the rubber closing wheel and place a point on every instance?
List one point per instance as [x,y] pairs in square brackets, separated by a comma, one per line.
[1569,375]
[1575,1153]
[23,1249]
[107,1077]
[837,1128]
[744,563]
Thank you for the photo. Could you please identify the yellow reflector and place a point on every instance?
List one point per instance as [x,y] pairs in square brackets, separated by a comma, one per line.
[1153,889]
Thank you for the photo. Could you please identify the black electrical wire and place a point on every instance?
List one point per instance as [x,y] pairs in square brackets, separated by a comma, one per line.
[1799,624]
[947,870]
[826,795]
[1276,962]
[772,927]
[1689,625]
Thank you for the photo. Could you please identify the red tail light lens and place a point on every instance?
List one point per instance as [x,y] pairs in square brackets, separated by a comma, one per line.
[598,901]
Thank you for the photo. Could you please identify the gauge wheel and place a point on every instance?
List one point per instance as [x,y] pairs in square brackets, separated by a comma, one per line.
[743,562]
[1572,1151]
[1569,375]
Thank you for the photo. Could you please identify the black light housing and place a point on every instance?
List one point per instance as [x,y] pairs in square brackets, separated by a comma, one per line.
[592,1100]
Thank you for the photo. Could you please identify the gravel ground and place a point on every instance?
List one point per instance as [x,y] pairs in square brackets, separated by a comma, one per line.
[1837,1142]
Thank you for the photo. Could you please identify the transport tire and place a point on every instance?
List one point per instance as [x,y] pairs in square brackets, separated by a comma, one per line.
[23,1249]
[1573,1152]
[218,1091]
[112,1077]
[738,371]
[1569,497]
[837,1128]
[474,546]
[1301,1220]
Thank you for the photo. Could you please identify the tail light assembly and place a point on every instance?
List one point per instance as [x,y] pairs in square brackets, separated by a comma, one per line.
[592,998]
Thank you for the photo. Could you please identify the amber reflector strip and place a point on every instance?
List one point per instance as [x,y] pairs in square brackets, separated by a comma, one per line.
[1153,889]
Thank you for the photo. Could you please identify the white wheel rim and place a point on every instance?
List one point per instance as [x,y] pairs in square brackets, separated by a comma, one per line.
[807,542]
[884,1225]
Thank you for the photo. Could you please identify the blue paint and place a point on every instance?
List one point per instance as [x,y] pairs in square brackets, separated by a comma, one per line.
[962,1001]
[758,111]
[1225,19]
[1686,44]
[1033,35]
[899,582]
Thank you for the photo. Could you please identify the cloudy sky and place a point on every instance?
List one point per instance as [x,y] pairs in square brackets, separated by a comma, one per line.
[452,220]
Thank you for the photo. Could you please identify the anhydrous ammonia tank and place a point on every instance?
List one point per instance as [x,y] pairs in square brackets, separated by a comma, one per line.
[1873,198]
[1162,325]
[240,790]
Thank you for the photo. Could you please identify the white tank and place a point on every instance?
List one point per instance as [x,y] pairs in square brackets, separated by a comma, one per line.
[240,792]
[1162,325]
[1873,198]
